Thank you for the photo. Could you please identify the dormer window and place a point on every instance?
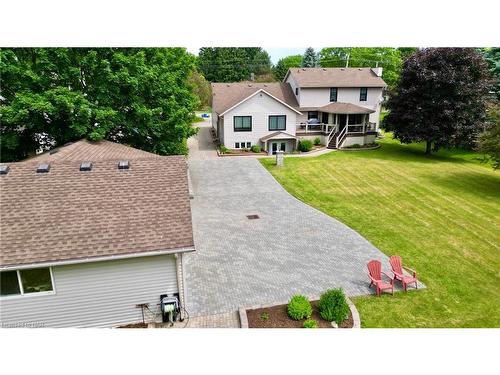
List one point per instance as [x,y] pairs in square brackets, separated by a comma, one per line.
[296,91]
[333,94]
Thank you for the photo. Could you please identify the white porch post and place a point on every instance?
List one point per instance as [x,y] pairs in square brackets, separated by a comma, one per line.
[347,123]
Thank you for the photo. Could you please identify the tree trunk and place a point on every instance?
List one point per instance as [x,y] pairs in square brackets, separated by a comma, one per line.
[428,147]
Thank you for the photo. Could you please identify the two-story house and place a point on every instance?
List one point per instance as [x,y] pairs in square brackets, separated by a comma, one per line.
[341,106]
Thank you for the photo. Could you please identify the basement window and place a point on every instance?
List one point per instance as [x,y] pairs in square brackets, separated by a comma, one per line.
[23,282]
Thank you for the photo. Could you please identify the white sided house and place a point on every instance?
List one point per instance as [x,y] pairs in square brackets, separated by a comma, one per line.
[92,235]
[340,106]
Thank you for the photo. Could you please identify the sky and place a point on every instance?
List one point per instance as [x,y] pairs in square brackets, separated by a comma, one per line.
[275,53]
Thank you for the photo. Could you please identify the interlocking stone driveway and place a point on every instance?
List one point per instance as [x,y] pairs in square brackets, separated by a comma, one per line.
[292,248]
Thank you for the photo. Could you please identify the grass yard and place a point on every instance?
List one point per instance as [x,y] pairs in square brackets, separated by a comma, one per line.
[440,213]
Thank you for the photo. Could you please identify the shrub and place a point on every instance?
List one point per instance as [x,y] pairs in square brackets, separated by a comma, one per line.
[355,146]
[264,316]
[299,307]
[223,149]
[317,141]
[255,149]
[305,145]
[310,323]
[333,306]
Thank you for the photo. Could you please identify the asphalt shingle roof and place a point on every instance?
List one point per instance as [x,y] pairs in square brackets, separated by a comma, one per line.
[226,95]
[336,77]
[68,214]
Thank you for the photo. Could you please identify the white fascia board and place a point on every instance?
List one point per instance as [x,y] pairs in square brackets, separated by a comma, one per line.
[255,93]
[96,259]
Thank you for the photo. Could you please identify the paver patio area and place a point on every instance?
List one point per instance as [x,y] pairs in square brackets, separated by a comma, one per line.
[292,248]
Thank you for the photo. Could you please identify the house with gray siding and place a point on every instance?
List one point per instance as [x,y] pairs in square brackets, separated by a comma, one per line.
[340,106]
[92,234]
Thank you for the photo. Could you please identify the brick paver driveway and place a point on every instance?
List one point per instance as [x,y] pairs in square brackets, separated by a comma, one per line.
[292,248]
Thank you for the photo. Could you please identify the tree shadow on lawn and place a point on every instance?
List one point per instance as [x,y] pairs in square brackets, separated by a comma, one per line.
[395,151]
[470,183]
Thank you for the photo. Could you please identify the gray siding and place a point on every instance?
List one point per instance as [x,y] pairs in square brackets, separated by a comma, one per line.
[100,294]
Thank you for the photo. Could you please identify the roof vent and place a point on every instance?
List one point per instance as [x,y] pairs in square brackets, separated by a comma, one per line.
[253,217]
[123,164]
[360,69]
[342,68]
[303,69]
[86,166]
[43,168]
[324,69]
[4,169]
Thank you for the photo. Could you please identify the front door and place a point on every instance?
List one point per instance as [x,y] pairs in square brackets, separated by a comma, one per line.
[342,121]
[324,118]
[278,146]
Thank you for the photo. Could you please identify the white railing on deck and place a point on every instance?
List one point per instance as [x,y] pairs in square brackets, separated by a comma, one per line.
[341,137]
[331,134]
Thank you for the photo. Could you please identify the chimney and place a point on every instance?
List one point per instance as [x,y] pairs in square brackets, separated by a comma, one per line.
[377,71]
[252,77]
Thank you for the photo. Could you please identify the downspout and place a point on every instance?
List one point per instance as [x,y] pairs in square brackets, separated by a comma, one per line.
[181,286]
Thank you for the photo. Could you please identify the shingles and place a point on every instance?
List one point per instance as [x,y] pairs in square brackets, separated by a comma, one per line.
[336,77]
[225,95]
[346,108]
[68,214]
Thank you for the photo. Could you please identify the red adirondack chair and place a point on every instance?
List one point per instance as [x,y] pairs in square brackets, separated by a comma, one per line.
[375,273]
[397,270]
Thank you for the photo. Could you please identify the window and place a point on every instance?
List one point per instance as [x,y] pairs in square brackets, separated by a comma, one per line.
[277,122]
[311,115]
[333,94]
[363,93]
[26,282]
[237,145]
[242,123]
[249,144]
[296,91]
[355,119]
[9,283]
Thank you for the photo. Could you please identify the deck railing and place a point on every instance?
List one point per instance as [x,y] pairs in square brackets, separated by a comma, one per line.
[327,129]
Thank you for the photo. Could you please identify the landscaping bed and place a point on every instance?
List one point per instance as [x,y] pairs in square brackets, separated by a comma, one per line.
[134,325]
[356,147]
[278,318]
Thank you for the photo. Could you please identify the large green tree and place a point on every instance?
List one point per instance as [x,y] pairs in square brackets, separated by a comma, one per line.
[492,56]
[440,98]
[201,88]
[310,58]
[489,141]
[390,59]
[285,63]
[233,64]
[137,96]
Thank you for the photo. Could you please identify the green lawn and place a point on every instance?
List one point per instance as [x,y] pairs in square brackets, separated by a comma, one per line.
[440,213]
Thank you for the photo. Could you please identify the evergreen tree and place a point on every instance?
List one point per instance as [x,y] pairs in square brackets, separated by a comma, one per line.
[310,59]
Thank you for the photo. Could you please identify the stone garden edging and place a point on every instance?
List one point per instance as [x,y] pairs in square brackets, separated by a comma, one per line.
[242,312]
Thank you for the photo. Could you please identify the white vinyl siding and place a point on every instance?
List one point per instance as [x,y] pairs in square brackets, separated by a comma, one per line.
[260,107]
[100,294]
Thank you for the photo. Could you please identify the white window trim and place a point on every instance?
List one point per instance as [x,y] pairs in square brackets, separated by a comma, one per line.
[27,295]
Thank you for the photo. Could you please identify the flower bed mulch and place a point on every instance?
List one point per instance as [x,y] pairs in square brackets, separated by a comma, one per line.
[278,318]
[134,325]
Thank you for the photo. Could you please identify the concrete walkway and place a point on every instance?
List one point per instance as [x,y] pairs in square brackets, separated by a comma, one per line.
[292,248]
